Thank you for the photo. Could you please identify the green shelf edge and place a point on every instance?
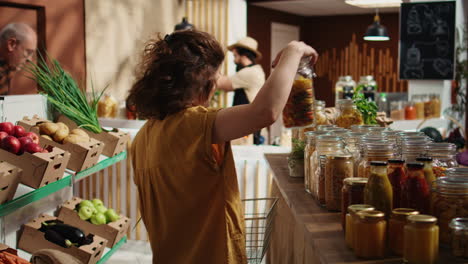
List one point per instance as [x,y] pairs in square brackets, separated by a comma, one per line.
[35,195]
[113,250]
[101,165]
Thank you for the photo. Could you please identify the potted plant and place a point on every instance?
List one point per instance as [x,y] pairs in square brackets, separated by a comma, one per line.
[296,158]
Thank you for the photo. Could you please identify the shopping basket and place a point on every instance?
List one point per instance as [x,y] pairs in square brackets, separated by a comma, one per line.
[259,215]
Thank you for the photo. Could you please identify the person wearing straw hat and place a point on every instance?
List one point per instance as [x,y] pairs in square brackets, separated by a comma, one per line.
[249,77]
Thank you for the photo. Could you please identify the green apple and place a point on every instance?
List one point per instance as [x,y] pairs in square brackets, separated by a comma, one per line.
[97,202]
[85,212]
[111,215]
[87,203]
[100,209]
[98,219]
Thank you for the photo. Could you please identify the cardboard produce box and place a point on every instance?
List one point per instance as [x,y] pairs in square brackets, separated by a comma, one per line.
[115,141]
[83,155]
[113,231]
[32,240]
[39,169]
[9,180]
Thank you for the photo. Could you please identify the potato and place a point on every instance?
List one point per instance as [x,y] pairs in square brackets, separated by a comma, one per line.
[74,138]
[60,135]
[47,137]
[48,128]
[79,132]
[63,126]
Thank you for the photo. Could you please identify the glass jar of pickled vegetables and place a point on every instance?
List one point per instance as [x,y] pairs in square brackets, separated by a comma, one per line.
[347,114]
[375,152]
[326,145]
[351,219]
[320,116]
[449,200]
[378,191]
[421,236]
[428,171]
[396,226]
[337,168]
[444,157]
[415,192]
[308,151]
[396,176]
[372,229]
[299,109]
[351,193]
[459,230]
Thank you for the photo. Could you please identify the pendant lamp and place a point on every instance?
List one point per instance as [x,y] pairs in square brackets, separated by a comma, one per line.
[376,32]
[183,25]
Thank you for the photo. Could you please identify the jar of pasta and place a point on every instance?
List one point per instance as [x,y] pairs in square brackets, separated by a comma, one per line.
[337,168]
[449,200]
[372,229]
[347,114]
[351,219]
[351,193]
[421,236]
[299,109]
[396,226]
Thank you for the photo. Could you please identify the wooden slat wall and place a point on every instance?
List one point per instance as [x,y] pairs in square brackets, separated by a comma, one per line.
[358,60]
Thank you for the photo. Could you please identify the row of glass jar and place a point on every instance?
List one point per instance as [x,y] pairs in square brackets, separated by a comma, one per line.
[421,107]
[402,235]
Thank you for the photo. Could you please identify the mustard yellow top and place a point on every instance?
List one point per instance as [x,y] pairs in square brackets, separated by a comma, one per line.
[188,191]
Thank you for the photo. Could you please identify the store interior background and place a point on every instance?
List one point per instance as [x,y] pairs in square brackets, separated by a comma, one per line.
[100,42]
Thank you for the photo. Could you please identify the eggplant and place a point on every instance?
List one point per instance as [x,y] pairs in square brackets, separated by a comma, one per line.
[57,238]
[75,235]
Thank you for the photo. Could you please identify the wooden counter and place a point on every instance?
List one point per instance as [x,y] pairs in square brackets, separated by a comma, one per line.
[303,231]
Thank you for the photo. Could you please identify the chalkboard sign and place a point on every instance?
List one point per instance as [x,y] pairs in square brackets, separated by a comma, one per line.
[427,40]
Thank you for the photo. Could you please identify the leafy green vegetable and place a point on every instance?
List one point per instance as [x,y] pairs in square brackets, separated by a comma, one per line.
[298,147]
[367,108]
[65,95]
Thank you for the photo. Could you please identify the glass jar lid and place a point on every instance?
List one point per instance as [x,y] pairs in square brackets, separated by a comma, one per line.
[459,223]
[450,185]
[319,103]
[415,165]
[378,163]
[371,214]
[321,127]
[457,172]
[424,159]
[411,133]
[404,212]
[355,181]
[420,218]
[345,102]
[354,208]
[396,161]
[340,157]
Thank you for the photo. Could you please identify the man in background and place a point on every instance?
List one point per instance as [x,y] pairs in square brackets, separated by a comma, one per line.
[18,43]
[249,77]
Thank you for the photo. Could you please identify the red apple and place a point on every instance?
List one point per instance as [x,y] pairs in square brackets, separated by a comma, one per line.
[3,135]
[33,136]
[11,144]
[7,127]
[32,148]
[19,131]
[24,141]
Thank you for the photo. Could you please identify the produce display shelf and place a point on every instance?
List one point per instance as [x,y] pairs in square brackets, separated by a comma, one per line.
[109,252]
[34,195]
[101,165]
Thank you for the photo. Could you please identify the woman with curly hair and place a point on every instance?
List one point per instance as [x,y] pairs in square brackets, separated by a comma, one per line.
[182,160]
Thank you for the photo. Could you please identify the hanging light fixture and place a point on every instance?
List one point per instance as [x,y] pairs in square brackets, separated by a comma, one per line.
[183,25]
[376,32]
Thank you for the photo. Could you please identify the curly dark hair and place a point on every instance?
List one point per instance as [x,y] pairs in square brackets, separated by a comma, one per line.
[175,72]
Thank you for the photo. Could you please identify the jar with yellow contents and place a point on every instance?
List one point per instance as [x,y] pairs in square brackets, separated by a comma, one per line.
[378,191]
[396,227]
[348,114]
[421,238]
[372,229]
[351,218]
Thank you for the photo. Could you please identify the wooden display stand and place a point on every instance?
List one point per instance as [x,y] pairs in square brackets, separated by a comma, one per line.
[39,169]
[115,141]
[9,180]
[32,240]
[83,155]
[113,231]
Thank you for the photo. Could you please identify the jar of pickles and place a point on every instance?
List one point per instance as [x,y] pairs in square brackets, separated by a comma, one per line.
[449,200]
[337,168]
[415,190]
[378,191]
[351,219]
[351,193]
[372,229]
[299,109]
[444,157]
[396,227]
[459,230]
[347,114]
[396,176]
[375,152]
[421,238]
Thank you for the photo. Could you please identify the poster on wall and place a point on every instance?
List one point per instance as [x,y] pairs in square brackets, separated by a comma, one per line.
[427,41]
